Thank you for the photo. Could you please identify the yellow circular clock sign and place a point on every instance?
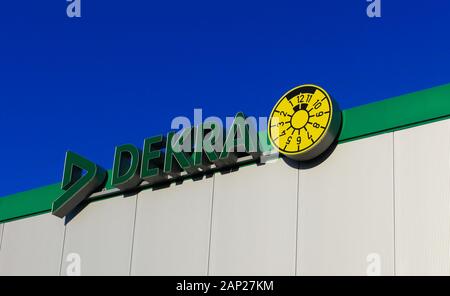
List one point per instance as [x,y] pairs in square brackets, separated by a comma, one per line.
[304,123]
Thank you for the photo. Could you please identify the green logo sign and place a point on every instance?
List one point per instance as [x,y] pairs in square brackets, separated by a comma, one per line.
[194,150]
[81,179]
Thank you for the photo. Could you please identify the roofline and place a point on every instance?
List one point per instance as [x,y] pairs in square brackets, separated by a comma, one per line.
[364,121]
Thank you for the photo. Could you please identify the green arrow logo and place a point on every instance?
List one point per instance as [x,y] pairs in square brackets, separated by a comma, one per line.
[81,178]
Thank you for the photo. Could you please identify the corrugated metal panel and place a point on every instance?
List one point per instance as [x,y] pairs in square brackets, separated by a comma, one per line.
[422,193]
[346,210]
[172,230]
[1,236]
[254,221]
[32,246]
[271,219]
[102,234]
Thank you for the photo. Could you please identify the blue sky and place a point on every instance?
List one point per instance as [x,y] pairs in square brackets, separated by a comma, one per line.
[123,70]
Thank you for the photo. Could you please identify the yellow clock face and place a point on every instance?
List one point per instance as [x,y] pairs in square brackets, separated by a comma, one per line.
[301,120]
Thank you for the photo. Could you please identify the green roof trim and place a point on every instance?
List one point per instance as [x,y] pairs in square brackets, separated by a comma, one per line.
[396,113]
[33,202]
[360,122]
[29,202]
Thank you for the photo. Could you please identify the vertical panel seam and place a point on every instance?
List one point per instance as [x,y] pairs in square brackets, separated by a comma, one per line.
[210,226]
[63,249]
[393,201]
[297,221]
[133,235]
[1,236]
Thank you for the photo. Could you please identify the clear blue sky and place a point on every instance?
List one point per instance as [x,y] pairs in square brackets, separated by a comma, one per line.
[123,70]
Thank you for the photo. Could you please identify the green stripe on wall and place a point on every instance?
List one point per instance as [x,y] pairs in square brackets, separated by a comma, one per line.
[360,122]
[396,113]
[35,201]
[28,202]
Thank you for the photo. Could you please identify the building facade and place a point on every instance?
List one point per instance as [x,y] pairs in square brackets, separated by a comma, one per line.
[378,203]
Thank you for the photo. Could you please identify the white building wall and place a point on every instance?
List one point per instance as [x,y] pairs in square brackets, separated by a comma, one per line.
[173,229]
[380,202]
[346,210]
[422,199]
[254,221]
[32,246]
[102,235]
[1,235]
